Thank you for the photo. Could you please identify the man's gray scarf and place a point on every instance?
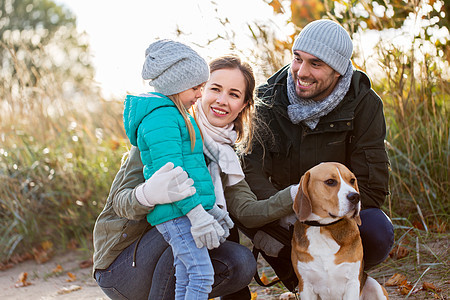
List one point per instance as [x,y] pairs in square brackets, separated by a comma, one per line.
[310,111]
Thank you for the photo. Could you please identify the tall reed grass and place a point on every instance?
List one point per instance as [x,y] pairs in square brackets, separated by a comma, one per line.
[58,155]
[417,104]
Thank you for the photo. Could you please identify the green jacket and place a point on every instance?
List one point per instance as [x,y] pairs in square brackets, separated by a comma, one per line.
[123,219]
[154,124]
[352,134]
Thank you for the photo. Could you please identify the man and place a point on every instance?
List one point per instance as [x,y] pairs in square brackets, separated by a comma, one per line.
[320,109]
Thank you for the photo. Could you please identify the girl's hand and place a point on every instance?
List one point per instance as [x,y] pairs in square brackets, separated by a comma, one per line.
[205,230]
[223,218]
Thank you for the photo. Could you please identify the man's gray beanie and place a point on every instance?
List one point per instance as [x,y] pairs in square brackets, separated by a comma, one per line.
[328,41]
[173,67]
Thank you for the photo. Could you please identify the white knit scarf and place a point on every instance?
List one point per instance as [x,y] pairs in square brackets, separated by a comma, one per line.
[310,111]
[217,146]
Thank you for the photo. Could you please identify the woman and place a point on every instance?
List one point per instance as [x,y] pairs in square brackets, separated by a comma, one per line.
[131,258]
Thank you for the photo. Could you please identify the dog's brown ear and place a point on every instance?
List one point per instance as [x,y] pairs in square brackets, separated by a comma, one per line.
[358,219]
[302,203]
[356,216]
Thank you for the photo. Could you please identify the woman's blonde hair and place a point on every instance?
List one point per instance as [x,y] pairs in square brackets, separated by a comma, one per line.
[176,100]
[243,122]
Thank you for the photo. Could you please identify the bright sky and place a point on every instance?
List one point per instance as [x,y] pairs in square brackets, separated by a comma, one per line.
[120,31]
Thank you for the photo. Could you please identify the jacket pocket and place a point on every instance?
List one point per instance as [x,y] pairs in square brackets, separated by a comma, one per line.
[128,233]
[281,167]
[378,163]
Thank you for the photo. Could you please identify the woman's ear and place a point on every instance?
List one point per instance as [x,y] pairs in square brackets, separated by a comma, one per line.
[243,106]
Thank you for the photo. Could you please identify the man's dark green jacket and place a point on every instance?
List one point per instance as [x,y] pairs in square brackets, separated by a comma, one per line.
[352,134]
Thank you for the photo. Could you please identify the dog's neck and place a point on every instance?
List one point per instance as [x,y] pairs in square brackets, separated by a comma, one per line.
[316,223]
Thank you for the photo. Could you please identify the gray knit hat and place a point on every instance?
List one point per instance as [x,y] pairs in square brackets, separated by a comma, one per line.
[173,67]
[328,41]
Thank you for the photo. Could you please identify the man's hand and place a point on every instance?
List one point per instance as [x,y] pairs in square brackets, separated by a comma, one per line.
[166,185]
[267,244]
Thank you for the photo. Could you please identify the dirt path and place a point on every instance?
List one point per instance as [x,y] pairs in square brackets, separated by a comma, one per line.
[46,284]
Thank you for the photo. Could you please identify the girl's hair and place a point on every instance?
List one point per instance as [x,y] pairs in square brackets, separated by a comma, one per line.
[243,122]
[176,100]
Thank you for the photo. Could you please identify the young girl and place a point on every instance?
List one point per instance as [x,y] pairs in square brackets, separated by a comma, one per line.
[159,125]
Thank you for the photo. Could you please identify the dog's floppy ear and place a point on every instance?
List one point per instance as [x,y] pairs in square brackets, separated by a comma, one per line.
[356,215]
[302,203]
[357,219]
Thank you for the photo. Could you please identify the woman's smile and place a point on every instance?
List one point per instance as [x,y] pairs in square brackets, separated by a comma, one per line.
[219,112]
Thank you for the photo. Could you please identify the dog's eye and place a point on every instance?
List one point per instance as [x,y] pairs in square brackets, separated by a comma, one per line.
[352,181]
[331,182]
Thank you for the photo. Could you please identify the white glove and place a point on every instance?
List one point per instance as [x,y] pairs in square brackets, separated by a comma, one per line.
[294,191]
[224,220]
[267,244]
[166,185]
[205,229]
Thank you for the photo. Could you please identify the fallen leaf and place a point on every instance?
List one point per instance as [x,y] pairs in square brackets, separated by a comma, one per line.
[70,289]
[72,277]
[398,252]
[405,289]
[428,286]
[254,295]
[22,280]
[6,265]
[40,256]
[396,279]
[47,245]
[43,252]
[86,264]
[58,269]
[264,278]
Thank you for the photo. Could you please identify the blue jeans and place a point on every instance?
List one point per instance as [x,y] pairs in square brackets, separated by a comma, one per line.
[377,235]
[153,276]
[193,269]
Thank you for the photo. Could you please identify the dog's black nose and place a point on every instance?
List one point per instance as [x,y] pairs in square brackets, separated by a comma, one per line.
[353,198]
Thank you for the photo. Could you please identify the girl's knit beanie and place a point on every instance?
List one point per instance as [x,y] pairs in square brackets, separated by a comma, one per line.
[173,67]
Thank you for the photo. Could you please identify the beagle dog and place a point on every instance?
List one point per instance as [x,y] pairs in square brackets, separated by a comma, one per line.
[327,252]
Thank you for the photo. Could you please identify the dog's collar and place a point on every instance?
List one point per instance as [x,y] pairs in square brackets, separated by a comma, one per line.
[315,223]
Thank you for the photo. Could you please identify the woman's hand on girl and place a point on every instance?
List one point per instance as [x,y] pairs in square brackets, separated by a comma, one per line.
[166,185]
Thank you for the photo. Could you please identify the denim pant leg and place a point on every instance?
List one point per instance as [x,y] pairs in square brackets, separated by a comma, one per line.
[193,269]
[377,234]
[234,267]
[123,281]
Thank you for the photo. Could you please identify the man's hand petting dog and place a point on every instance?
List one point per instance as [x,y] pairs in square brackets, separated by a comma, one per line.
[267,244]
